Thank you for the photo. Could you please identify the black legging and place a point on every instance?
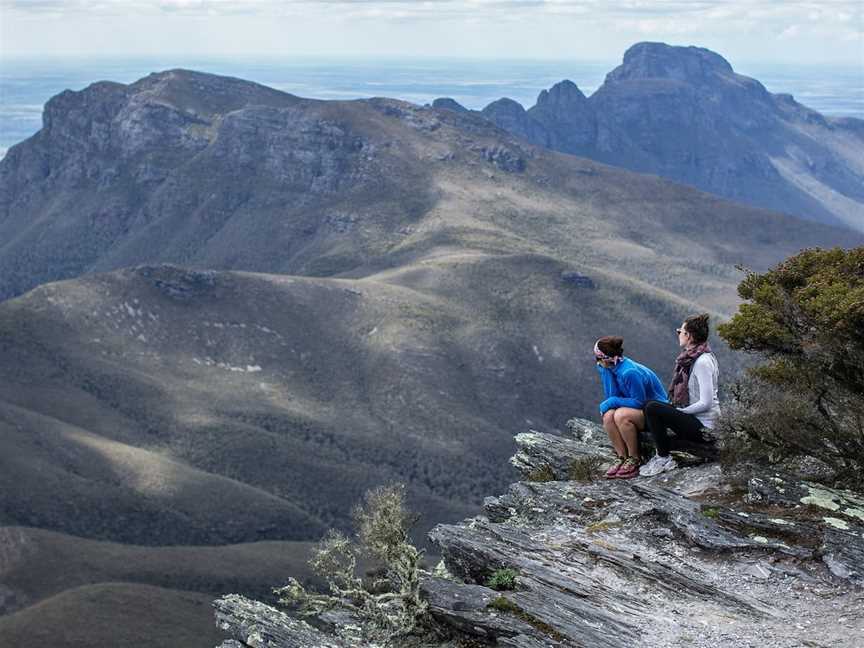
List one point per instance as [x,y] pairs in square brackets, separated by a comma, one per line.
[659,416]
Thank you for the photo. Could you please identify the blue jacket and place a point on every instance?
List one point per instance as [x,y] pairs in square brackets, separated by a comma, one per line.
[629,384]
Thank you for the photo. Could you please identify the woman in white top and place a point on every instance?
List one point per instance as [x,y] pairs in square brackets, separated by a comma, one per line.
[693,395]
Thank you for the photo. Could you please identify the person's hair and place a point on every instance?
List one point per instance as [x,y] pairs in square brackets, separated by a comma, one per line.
[697,327]
[611,345]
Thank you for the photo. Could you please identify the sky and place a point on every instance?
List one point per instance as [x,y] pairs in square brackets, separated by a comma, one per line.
[788,31]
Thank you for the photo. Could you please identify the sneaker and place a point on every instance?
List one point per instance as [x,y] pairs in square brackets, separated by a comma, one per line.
[658,465]
[614,468]
[629,469]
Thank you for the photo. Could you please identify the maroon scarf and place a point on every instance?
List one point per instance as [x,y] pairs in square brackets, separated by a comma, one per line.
[678,391]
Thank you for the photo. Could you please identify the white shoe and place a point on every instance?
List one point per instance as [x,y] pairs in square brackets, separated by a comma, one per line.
[657,465]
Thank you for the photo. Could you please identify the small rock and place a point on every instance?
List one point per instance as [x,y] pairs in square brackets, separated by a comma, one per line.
[758,570]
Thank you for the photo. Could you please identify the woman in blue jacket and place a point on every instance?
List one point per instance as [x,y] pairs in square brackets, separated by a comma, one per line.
[627,385]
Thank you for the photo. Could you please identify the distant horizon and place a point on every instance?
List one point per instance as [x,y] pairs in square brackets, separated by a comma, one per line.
[54,57]
[794,31]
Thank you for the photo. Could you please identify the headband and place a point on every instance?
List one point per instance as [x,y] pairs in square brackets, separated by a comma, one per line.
[602,356]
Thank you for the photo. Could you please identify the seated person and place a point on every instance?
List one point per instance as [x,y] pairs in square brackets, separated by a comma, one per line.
[693,393]
[627,385]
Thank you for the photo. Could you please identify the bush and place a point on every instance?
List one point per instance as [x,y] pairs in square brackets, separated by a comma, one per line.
[388,607]
[806,319]
[542,474]
[585,468]
[502,579]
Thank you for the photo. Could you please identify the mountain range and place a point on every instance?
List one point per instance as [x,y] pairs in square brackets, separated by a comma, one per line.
[684,114]
[230,310]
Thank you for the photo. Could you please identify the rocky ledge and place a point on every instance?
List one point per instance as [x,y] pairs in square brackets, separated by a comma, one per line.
[681,559]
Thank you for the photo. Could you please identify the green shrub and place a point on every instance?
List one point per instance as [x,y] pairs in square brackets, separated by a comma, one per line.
[503,604]
[502,579]
[542,474]
[806,319]
[585,468]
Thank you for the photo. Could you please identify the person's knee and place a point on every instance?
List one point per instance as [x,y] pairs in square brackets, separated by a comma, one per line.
[621,416]
[609,416]
[651,407]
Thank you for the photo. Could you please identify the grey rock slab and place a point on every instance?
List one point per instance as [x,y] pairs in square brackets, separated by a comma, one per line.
[540,451]
[759,570]
[691,481]
[688,517]
[587,502]
[466,608]
[588,589]
[588,432]
[784,491]
[834,516]
[522,641]
[843,553]
[258,625]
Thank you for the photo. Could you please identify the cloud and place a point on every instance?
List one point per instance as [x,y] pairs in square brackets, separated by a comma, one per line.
[546,28]
[840,10]
[790,32]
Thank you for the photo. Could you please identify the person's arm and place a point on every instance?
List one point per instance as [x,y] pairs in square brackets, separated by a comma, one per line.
[607,379]
[632,395]
[610,388]
[702,372]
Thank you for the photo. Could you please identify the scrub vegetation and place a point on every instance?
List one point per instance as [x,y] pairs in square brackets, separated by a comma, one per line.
[805,318]
[388,606]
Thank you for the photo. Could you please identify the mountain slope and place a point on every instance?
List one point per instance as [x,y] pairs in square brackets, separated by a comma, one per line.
[37,565]
[114,614]
[163,406]
[684,114]
[359,292]
[263,181]
[466,270]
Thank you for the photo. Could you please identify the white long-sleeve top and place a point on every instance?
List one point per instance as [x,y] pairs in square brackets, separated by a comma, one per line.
[702,386]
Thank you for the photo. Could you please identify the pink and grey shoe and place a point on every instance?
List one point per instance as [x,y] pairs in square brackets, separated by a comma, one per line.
[612,473]
[629,469]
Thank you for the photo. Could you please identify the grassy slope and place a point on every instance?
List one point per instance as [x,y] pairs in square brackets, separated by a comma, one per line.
[360,382]
[119,615]
[38,565]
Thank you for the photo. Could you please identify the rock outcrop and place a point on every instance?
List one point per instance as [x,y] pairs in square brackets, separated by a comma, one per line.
[673,560]
[259,625]
[684,114]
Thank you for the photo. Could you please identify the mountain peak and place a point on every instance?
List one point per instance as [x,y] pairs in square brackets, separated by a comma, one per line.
[207,93]
[447,103]
[564,93]
[661,61]
[504,105]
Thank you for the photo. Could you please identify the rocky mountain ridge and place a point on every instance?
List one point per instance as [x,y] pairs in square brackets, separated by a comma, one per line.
[674,560]
[684,114]
[206,171]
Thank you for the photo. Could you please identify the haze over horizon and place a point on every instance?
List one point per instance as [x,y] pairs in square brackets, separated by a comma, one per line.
[743,30]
